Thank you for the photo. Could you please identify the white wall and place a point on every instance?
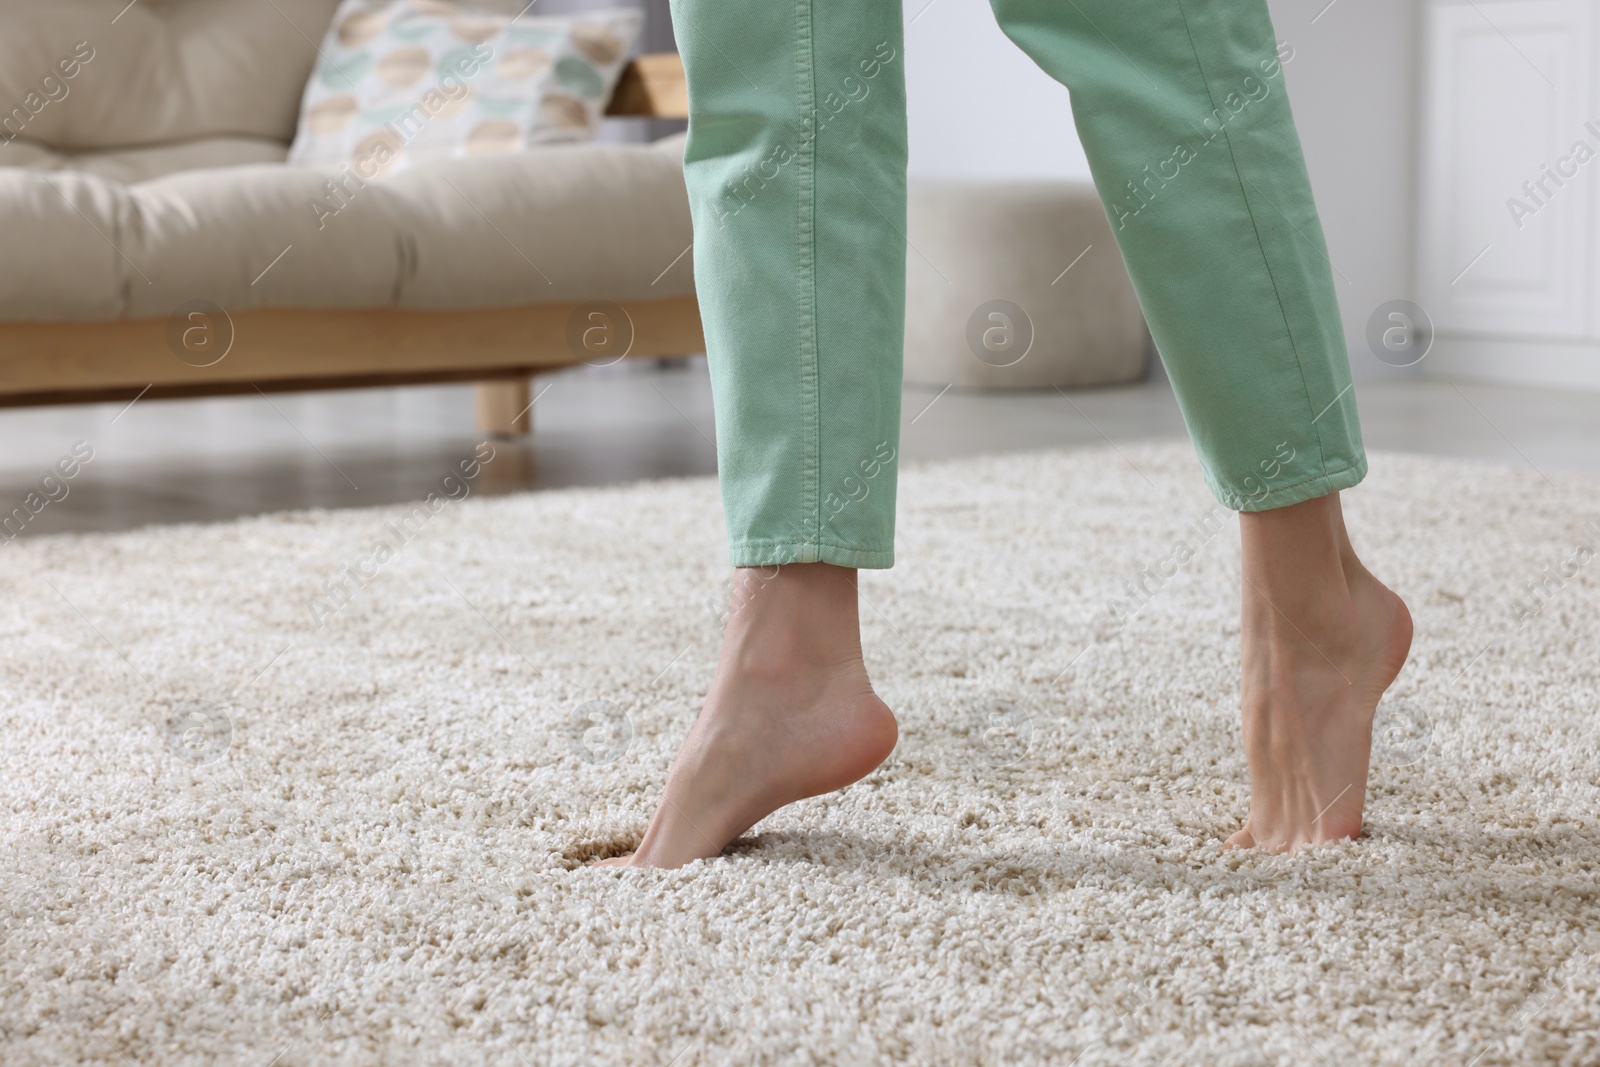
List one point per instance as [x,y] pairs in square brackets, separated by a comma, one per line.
[980,109]
[1355,88]
[976,106]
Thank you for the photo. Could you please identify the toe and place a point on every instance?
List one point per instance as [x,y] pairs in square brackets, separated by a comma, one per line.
[616,861]
[1242,839]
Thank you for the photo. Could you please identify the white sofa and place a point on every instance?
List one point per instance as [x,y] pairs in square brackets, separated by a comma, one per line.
[153,178]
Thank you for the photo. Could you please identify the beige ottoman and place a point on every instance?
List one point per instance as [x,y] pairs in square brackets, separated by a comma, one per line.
[1017,285]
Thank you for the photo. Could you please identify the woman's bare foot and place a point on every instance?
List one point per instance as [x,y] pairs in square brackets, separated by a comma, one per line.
[790,714]
[1321,641]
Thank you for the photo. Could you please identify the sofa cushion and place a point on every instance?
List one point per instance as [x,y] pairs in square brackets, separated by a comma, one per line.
[160,71]
[130,165]
[401,81]
[592,221]
[573,223]
[61,236]
[244,238]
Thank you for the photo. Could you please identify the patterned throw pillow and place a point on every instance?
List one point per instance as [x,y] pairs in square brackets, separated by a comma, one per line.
[410,80]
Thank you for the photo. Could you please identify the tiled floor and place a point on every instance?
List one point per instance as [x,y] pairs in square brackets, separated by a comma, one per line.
[212,460]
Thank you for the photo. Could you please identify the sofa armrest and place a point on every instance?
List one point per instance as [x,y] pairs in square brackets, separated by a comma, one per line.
[652,86]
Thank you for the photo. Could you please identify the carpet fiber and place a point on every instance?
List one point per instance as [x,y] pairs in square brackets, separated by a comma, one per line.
[258,808]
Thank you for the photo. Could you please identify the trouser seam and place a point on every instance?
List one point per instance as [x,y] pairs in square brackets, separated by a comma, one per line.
[761,542]
[1305,385]
[806,275]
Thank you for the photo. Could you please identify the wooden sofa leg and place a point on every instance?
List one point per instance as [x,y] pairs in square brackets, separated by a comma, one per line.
[503,407]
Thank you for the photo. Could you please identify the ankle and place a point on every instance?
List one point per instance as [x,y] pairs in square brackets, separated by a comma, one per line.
[775,656]
[791,618]
[1313,602]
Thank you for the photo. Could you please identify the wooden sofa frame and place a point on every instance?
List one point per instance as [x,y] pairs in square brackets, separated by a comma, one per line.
[289,350]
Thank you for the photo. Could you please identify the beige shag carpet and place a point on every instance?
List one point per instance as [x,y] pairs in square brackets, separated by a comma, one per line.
[248,819]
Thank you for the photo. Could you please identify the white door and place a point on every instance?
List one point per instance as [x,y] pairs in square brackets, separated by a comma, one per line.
[1511,154]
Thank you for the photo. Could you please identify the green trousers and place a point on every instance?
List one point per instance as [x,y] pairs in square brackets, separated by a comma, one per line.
[795,164]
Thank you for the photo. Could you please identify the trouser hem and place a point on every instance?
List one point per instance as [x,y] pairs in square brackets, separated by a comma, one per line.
[773,553]
[1297,492]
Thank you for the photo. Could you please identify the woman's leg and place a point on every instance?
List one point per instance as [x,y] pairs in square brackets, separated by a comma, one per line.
[795,164]
[1321,639]
[1181,108]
